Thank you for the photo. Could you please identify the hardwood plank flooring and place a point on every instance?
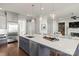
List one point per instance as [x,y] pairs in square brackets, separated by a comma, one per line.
[3,50]
[11,49]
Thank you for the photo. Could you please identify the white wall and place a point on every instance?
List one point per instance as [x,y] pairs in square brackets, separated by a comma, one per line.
[33,26]
[43,20]
[37,26]
[22,25]
[30,26]
[55,26]
[50,25]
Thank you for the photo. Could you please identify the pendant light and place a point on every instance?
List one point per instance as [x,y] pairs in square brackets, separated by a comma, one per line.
[52,15]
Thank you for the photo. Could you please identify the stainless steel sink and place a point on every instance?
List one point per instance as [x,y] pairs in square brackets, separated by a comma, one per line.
[30,36]
[50,39]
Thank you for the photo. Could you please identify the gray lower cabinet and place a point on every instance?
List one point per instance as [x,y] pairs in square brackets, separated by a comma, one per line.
[24,44]
[33,48]
[43,50]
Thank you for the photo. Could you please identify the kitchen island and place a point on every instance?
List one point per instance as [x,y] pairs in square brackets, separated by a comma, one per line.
[38,46]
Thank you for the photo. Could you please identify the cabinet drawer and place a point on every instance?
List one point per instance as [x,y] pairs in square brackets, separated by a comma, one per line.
[24,44]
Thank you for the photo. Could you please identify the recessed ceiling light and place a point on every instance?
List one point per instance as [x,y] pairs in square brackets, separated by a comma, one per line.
[42,8]
[0,8]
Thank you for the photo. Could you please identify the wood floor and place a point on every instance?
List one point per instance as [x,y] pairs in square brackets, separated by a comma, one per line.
[11,49]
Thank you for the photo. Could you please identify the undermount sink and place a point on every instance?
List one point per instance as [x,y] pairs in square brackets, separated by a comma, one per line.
[50,39]
[30,36]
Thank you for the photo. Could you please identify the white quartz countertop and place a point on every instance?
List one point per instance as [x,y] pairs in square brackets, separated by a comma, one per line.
[64,44]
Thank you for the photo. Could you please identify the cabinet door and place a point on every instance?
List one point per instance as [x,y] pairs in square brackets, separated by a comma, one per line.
[24,44]
[20,42]
[43,50]
[33,48]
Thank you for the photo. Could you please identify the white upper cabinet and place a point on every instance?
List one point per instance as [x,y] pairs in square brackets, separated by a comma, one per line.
[2,20]
[12,17]
[22,25]
[50,26]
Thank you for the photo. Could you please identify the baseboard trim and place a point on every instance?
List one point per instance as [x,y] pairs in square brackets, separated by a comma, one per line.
[12,42]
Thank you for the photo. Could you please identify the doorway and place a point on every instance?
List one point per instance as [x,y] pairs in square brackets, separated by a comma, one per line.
[61,28]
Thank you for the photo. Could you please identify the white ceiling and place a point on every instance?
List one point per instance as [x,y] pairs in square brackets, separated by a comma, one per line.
[60,9]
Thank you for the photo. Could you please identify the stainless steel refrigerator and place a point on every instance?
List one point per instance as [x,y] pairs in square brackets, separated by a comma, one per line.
[12,31]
